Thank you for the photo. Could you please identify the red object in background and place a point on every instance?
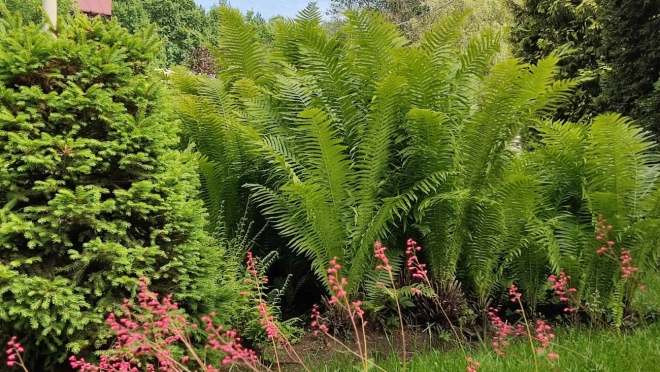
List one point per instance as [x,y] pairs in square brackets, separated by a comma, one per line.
[96,7]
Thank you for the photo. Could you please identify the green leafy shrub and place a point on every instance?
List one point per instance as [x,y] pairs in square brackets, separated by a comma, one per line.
[182,24]
[93,194]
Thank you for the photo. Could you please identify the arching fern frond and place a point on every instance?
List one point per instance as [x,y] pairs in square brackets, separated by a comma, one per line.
[617,168]
[439,41]
[239,52]
[372,44]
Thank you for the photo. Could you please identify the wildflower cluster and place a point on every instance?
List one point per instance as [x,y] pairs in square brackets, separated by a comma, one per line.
[472,365]
[563,290]
[150,331]
[502,331]
[514,293]
[339,289]
[602,231]
[268,322]
[266,319]
[227,342]
[380,254]
[339,298]
[14,351]
[317,323]
[544,336]
[627,269]
[337,284]
[252,271]
[417,269]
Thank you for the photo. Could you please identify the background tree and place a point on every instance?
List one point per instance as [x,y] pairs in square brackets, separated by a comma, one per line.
[614,43]
[481,15]
[181,23]
[400,12]
[631,51]
[543,26]
[131,15]
[265,28]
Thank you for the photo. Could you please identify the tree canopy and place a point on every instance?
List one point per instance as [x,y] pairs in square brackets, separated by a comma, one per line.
[181,23]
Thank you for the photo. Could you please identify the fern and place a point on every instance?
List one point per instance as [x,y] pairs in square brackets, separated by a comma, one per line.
[347,139]
[207,111]
[239,50]
[604,169]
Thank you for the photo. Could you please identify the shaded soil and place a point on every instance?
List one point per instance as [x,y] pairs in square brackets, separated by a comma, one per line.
[319,350]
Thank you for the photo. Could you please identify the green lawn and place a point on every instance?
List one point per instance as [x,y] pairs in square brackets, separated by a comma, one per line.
[580,350]
[600,351]
[605,351]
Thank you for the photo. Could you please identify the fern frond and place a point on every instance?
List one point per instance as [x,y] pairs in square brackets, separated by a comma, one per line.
[323,60]
[372,46]
[373,155]
[239,51]
[474,63]
[310,16]
[439,41]
[617,168]
[326,156]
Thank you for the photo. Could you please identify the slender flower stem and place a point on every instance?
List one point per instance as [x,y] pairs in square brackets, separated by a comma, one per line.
[419,272]
[578,354]
[348,349]
[398,308]
[21,363]
[451,325]
[360,345]
[529,334]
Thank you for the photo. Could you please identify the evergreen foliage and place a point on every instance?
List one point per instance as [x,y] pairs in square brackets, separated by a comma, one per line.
[542,26]
[184,26]
[93,194]
[631,51]
[614,43]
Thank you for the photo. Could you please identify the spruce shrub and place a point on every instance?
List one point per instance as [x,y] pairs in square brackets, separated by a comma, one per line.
[93,193]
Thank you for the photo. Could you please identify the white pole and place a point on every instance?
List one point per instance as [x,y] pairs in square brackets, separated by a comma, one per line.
[50,7]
